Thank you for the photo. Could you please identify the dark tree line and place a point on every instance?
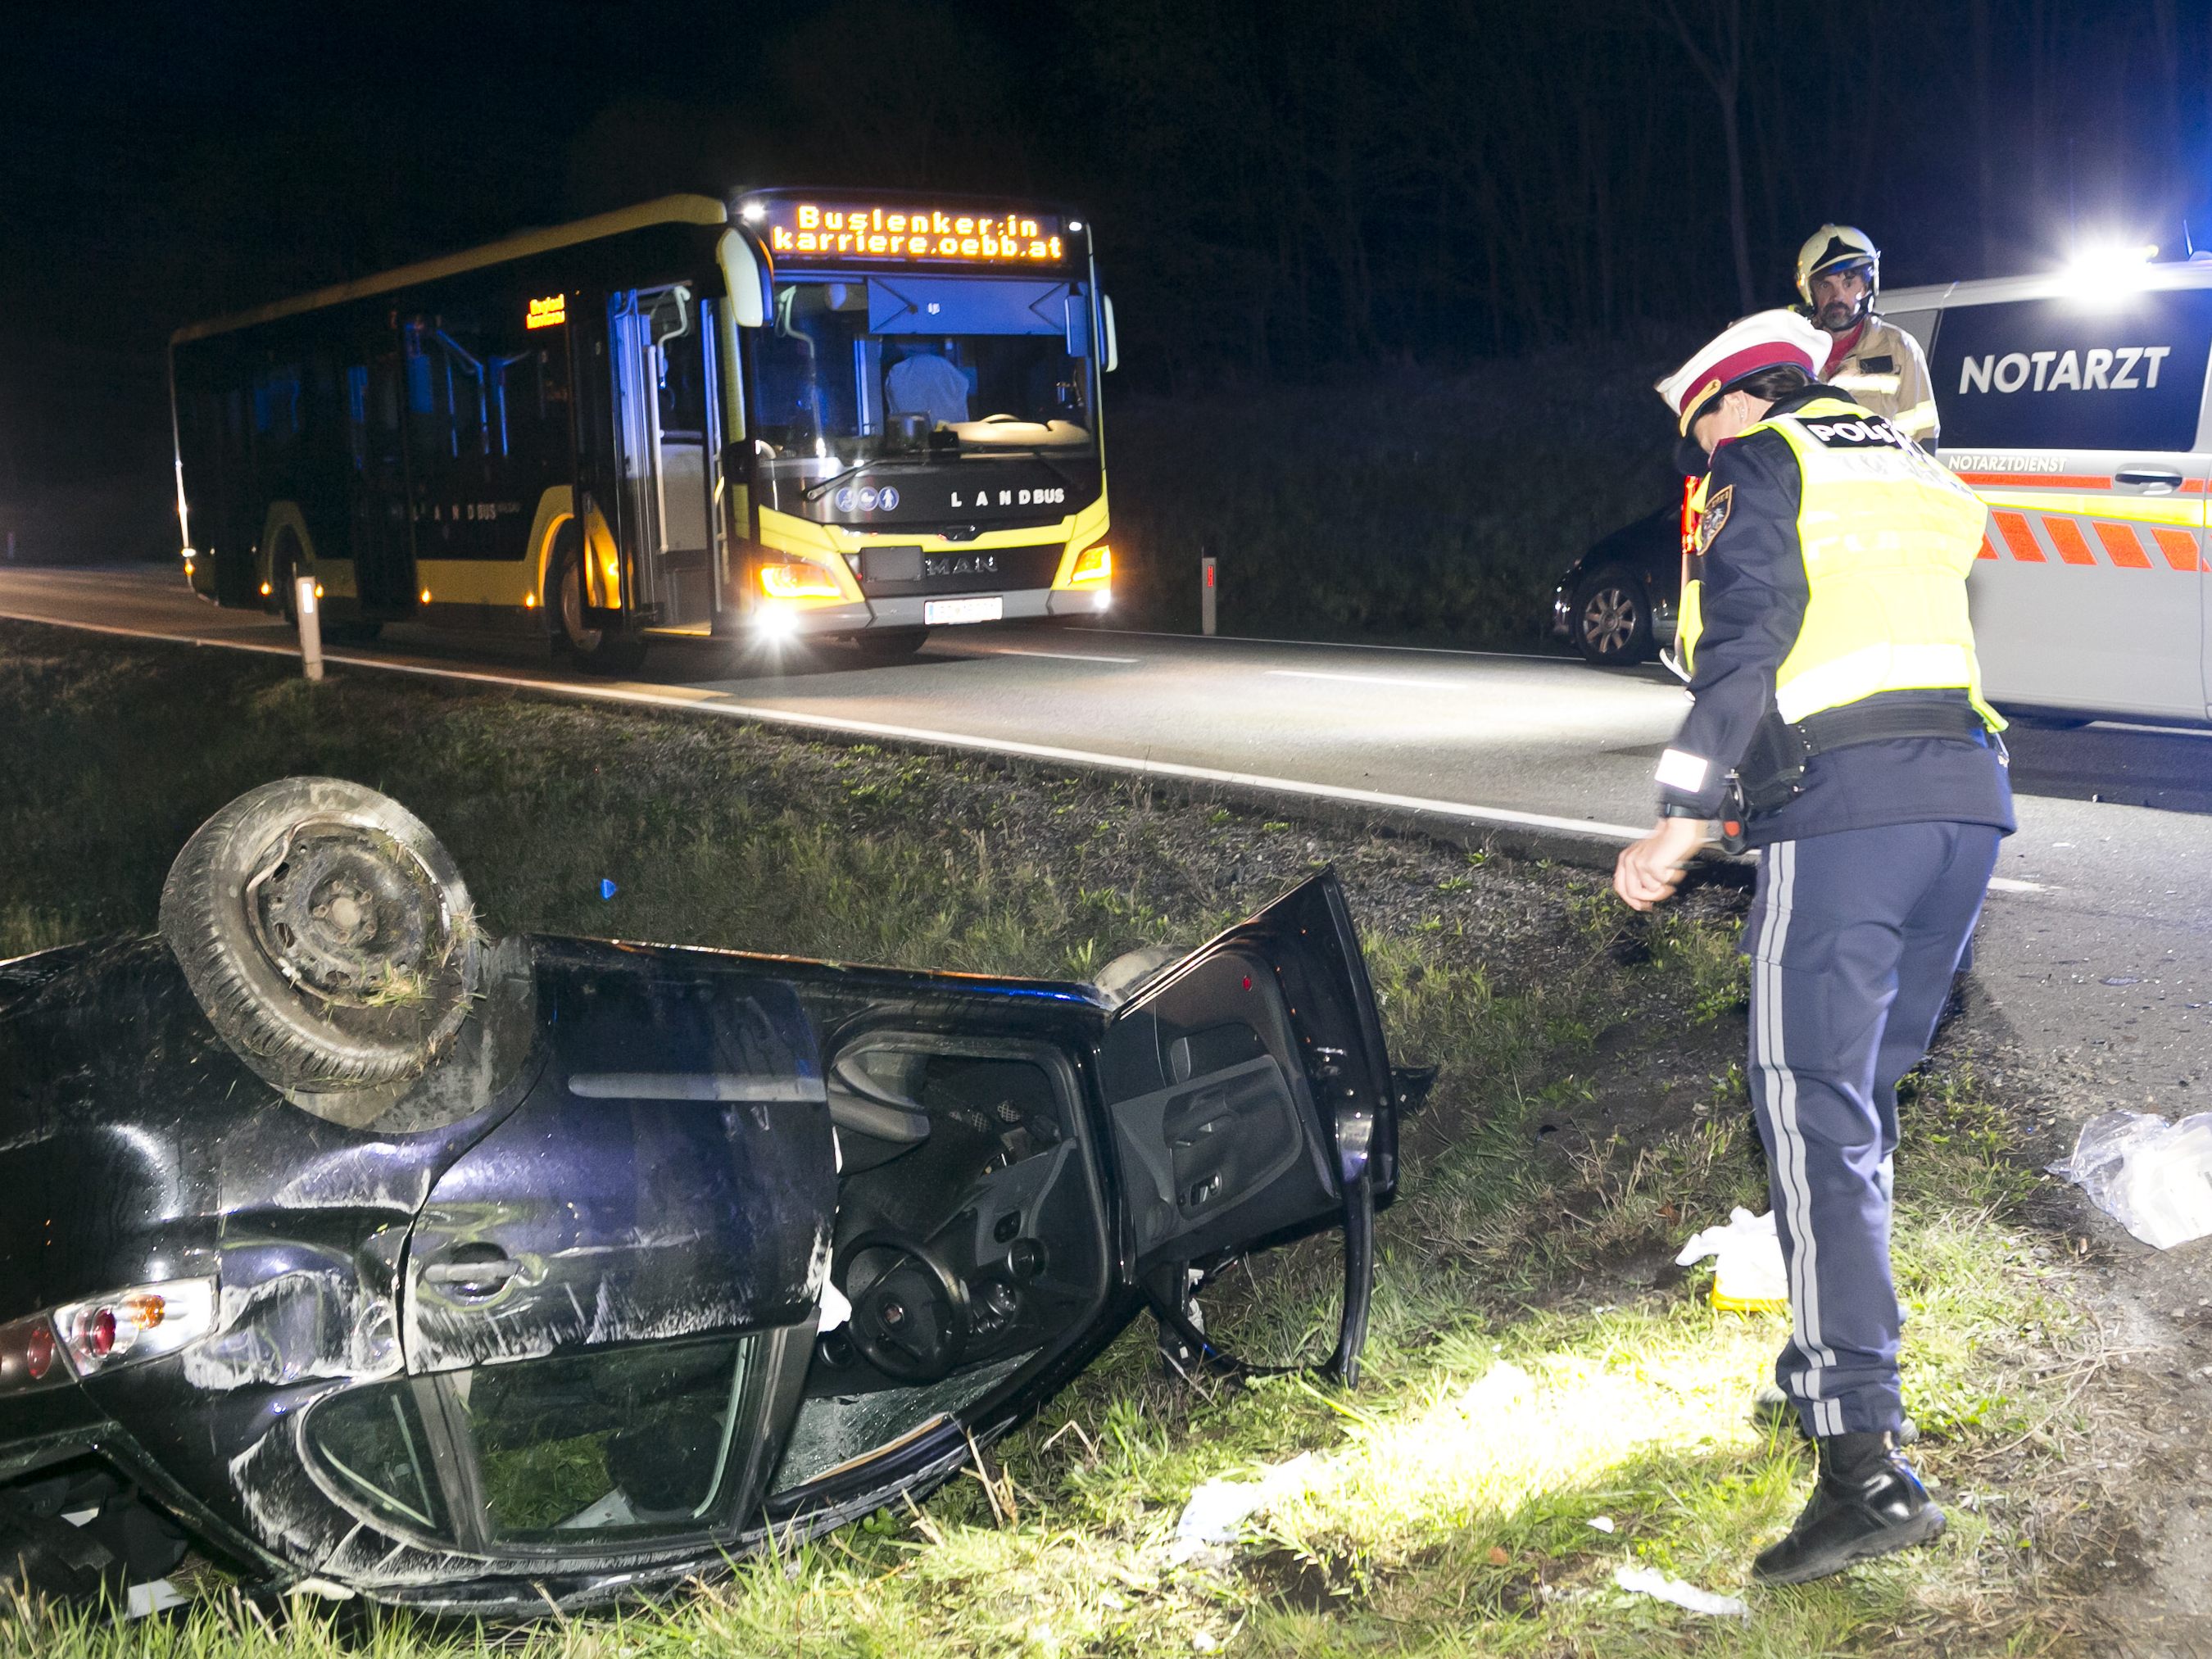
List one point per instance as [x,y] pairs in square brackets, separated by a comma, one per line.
[1283,189]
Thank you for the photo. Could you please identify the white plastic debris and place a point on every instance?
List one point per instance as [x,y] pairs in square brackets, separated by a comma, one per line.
[1218,1509]
[1495,1389]
[1748,1276]
[1600,1523]
[157,1595]
[2152,1177]
[1650,1580]
[835,1310]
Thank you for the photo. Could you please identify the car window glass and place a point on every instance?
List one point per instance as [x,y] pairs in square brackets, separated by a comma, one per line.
[372,1440]
[635,1439]
[2122,371]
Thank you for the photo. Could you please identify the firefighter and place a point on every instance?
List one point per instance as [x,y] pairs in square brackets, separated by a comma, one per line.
[1879,365]
[1837,717]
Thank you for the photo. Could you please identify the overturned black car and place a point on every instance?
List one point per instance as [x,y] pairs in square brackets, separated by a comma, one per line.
[377,1258]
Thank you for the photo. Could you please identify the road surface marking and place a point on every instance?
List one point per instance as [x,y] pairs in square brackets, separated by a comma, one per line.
[1202,640]
[1017,650]
[1365,679]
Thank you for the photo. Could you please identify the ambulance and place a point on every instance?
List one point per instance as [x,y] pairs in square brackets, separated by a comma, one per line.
[2075,403]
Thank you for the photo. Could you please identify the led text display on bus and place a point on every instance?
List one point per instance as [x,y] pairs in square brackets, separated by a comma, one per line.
[907,233]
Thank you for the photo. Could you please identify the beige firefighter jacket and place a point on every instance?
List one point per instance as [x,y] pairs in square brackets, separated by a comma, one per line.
[1887,372]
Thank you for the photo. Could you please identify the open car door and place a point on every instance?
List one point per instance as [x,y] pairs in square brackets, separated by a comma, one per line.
[1252,1103]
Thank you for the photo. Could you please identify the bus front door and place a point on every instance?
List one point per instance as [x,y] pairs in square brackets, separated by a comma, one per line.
[668,426]
[382,518]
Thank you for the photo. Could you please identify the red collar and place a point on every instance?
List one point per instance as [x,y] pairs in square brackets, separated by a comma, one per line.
[1842,346]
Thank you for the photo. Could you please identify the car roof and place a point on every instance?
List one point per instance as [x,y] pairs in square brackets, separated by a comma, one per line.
[2196,272]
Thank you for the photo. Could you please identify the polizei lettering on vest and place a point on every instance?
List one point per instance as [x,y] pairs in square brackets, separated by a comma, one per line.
[1855,434]
[2121,368]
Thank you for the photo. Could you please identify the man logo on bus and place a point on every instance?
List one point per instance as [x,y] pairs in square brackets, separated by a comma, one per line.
[2119,368]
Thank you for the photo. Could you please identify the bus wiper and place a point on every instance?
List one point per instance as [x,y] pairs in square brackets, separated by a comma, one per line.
[815,492]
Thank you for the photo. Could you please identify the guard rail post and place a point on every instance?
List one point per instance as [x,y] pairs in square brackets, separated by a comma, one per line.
[1206,595]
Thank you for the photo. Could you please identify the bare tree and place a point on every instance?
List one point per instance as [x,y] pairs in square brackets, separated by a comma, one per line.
[1717,51]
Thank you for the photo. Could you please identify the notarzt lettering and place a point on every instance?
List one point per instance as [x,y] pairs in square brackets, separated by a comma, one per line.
[2120,368]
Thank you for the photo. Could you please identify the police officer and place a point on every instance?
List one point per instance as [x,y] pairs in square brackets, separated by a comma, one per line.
[1839,719]
[1876,364]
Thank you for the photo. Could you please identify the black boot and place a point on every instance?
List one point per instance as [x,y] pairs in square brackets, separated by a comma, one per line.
[1866,1502]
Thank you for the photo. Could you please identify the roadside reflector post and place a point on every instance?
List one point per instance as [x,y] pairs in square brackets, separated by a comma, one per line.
[1206,591]
[311,627]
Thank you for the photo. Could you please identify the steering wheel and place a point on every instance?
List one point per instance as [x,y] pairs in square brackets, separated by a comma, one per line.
[910,1317]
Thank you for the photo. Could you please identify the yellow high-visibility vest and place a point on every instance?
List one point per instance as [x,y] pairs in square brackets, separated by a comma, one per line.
[1889,538]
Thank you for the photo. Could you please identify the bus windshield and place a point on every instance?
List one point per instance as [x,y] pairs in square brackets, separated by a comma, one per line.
[864,367]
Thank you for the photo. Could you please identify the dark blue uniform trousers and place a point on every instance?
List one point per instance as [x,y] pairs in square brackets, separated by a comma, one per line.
[1853,938]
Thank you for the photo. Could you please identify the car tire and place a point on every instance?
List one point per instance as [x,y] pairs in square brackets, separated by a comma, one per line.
[595,649]
[327,935]
[1611,620]
[885,646]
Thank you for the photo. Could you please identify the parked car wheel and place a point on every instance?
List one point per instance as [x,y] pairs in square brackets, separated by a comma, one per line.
[890,645]
[1613,618]
[326,933]
[587,647]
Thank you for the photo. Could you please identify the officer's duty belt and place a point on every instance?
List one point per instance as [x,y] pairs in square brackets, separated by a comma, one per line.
[1773,770]
[1875,721]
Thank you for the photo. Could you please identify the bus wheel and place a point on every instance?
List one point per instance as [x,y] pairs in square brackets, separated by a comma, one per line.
[889,644]
[594,648]
[327,935]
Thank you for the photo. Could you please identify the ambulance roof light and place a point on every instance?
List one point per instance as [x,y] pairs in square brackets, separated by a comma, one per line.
[2102,267]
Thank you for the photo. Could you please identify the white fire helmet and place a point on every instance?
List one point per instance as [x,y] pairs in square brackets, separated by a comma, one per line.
[1832,246]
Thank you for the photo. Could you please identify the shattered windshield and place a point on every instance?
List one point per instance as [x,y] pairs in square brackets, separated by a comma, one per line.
[928,367]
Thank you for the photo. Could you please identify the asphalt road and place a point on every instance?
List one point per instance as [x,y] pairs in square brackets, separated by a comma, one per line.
[2097,944]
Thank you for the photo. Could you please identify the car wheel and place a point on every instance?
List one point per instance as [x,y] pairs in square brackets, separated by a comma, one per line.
[326,932]
[593,648]
[890,645]
[1613,618]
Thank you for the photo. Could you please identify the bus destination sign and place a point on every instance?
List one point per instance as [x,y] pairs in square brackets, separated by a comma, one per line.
[905,234]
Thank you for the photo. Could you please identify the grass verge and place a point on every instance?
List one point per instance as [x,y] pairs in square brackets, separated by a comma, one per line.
[1537,1364]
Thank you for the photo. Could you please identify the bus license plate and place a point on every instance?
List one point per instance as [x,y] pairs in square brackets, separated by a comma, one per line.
[963,610]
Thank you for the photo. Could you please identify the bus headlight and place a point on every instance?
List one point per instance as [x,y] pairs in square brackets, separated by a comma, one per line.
[798,581]
[1093,564]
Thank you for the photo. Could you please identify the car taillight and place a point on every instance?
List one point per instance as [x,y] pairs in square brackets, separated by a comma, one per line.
[141,1323]
[26,1355]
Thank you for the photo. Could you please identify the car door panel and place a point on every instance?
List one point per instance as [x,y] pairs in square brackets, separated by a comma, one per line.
[1241,1080]
[671,1173]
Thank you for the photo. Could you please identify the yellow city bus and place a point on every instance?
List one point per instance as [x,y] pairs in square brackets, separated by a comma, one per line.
[822,413]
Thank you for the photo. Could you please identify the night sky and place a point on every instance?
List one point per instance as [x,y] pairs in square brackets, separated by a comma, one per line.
[1282,192]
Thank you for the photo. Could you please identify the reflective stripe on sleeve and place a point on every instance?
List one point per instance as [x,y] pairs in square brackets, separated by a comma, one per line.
[1680,769]
[1882,385]
[1915,420]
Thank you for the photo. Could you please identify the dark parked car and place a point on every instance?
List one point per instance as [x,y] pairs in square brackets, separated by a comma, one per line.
[1616,604]
[376,1257]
